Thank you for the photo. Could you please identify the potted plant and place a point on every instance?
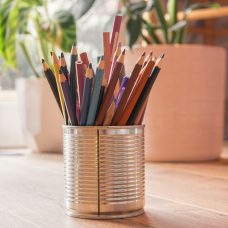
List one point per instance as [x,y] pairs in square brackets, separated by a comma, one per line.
[184,115]
[36,29]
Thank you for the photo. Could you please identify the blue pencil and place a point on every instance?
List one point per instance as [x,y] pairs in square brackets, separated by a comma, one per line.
[86,95]
[95,94]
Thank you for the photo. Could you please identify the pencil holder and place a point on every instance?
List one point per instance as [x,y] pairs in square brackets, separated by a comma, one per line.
[104,171]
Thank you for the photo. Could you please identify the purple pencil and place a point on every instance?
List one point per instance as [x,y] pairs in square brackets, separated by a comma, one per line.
[121,91]
[67,98]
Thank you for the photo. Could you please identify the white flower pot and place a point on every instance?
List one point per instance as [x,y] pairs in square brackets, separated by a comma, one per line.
[41,119]
[185,112]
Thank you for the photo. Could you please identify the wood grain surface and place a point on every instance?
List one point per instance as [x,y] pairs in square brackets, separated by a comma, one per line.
[177,194]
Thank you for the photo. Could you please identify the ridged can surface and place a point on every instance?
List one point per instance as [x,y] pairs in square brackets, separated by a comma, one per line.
[104,171]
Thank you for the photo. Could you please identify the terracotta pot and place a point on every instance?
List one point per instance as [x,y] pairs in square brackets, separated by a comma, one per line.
[40,117]
[184,116]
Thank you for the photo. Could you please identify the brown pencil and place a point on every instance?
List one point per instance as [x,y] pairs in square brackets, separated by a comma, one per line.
[110,89]
[130,85]
[84,59]
[136,93]
[107,53]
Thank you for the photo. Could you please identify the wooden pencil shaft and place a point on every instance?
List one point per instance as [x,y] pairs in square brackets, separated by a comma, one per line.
[136,93]
[109,114]
[68,102]
[109,93]
[143,96]
[126,93]
[65,72]
[141,115]
[85,100]
[121,91]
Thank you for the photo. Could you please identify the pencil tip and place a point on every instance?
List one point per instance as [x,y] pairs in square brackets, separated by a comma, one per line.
[62,55]
[124,52]
[51,53]
[162,55]
[144,53]
[74,44]
[43,61]
[60,71]
[90,65]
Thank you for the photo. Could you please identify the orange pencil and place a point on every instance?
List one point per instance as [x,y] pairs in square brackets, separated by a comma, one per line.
[136,93]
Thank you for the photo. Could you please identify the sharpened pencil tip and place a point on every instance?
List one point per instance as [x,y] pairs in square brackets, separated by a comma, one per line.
[123,52]
[74,44]
[144,53]
[62,55]
[90,65]
[60,71]
[51,53]
[162,56]
[43,61]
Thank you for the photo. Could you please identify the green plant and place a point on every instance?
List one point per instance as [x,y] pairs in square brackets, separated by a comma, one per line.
[162,26]
[23,19]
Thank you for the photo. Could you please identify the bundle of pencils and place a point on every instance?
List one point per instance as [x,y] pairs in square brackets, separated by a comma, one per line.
[105,96]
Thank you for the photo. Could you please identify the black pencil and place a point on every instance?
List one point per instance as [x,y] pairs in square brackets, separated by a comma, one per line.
[73,81]
[143,96]
[52,82]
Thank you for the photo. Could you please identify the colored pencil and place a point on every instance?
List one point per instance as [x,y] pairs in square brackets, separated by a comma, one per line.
[136,93]
[143,96]
[63,66]
[101,95]
[73,81]
[95,94]
[67,98]
[109,114]
[52,82]
[116,28]
[107,53]
[140,116]
[127,92]
[86,95]
[122,88]
[80,80]
[110,89]
[56,72]
[84,59]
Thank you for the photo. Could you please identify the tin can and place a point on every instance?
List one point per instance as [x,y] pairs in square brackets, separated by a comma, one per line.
[104,171]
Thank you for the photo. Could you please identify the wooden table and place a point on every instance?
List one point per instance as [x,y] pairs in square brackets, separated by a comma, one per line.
[177,195]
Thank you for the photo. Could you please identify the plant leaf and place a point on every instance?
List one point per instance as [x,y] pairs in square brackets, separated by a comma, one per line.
[179,25]
[133,30]
[196,6]
[66,30]
[150,29]
[162,20]
[172,11]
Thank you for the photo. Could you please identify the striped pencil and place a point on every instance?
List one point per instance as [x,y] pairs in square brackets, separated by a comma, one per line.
[127,92]
[52,82]
[56,71]
[136,93]
[95,94]
[143,96]
[86,95]
[67,98]
[110,89]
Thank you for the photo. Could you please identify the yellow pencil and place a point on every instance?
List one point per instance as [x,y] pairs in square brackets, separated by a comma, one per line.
[55,63]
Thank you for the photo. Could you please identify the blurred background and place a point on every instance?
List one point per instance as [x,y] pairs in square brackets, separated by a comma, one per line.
[30,30]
